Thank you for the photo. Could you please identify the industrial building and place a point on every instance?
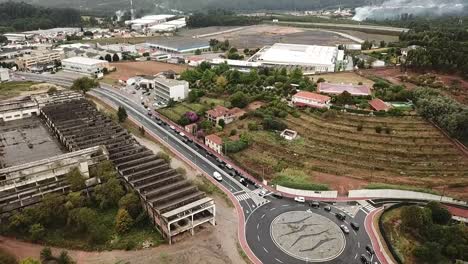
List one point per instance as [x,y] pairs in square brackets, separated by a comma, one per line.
[147,21]
[166,89]
[179,46]
[85,66]
[311,58]
[37,60]
[169,26]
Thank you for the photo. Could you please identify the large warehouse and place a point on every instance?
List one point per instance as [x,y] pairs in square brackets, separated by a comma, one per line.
[311,58]
[85,65]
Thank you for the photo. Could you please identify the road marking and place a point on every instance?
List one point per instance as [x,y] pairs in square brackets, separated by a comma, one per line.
[258,238]
[263,215]
[285,205]
[355,257]
[272,209]
[258,225]
[278,260]
[265,250]
[354,232]
[346,222]
[359,244]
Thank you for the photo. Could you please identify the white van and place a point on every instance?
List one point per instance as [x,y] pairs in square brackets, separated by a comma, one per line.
[217,176]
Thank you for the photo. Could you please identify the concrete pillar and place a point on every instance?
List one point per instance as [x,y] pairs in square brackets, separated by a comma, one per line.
[192,230]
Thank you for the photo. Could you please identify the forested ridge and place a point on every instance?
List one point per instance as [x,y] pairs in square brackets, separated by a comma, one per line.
[21,16]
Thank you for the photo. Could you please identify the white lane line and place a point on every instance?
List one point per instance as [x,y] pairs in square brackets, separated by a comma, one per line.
[346,222]
[355,257]
[272,209]
[285,205]
[354,232]
[278,260]
[258,225]
[359,244]
[258,238]
[263,215]
[265,250]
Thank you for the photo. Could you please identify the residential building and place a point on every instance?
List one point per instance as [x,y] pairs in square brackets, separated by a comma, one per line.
[379,105]
[222,113]
[215,143]
[4,75]
[311,58]
[85,66]
[335,89]
[37,59]
[310,99]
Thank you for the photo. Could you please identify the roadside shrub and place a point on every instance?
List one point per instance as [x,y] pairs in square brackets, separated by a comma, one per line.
[164,156]
[181,171]
[378,129]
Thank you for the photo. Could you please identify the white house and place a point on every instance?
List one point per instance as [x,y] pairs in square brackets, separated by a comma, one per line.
[85,66]
[171,89]
[311,100]
[4,75]
[215,143]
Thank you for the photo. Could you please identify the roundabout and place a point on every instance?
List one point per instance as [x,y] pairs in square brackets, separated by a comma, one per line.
[307,236]
[287,232]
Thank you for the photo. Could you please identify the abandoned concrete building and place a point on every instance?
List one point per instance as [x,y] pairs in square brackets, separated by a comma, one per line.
[76,134]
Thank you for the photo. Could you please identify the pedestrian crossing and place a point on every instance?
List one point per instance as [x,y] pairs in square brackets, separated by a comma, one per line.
[366,206]
[242,197]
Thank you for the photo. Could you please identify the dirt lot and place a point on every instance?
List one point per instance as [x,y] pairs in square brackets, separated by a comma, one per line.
[343,77]
[262,35]
[368,36]
[130,69]
[392,75]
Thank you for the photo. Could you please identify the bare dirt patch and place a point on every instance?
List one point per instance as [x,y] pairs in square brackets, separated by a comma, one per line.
[130,69]
[343,77]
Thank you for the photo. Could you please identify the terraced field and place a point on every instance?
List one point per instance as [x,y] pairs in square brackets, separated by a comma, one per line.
[412,153]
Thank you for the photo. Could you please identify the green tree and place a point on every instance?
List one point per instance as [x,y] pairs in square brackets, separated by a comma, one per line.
[29,261]
[46,254]
[52,90]
[84,84]
[122,114]
[64,258]
[221,81]
[239,99]
[3,39]
[109,193]
[164,156]
[104,170]
[131,203]
[108,57]
[440,214]
[7,258]
[115,58]
[198,52]
[81,219]
[345,98]
[429,252]
[123,221]
[222,123]
[36,232]
[75,179]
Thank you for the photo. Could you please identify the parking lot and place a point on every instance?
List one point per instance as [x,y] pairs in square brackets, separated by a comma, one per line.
[145,97]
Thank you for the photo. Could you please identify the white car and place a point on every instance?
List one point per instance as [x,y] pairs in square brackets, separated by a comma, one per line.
[217,176]
[263,192]
[228,166]
[345,229]
[299,199]
[182,134]
[172,127]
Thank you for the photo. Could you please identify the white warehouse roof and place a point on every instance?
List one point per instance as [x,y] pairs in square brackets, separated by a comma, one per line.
[83,61]
[300,54]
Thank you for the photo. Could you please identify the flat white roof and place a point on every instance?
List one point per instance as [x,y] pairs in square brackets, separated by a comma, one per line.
[83,61]
[300,54]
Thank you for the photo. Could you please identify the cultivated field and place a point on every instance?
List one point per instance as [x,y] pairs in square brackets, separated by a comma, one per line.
[413,153]
[343,77]
[130,69]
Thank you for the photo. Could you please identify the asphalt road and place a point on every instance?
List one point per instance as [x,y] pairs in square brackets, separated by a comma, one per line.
[259,212]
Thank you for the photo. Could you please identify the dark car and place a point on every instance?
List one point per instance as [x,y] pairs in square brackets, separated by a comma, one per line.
[243,181]
[232,173]
[341,216]
[370,249]
[327,208]
[365,259]
[278,195]
[159,122]
[354,225]
[185,140]
[314,204]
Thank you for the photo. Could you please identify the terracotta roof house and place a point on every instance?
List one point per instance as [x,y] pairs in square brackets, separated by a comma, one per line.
[379,105]
[226,114]
[311,99]
[335,89]
[214,142]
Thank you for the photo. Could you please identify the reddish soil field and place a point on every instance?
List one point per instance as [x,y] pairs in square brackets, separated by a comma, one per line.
[130,69]
[392,75]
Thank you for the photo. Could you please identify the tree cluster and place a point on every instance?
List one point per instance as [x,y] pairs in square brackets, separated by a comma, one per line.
[447,113]
[220,18]
[84,84]
[22,16]
[439,240]
[391,92]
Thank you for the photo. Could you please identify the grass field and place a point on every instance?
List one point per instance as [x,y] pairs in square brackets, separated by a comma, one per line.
[343,77]
[12,89]
[176,112]
[413,153]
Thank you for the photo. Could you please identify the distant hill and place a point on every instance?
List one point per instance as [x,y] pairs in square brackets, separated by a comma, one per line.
[109,6]
[21,17]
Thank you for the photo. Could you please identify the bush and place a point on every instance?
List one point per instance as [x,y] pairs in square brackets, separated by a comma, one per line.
[233,132]
[273,124]
[46,254]
[123,221]
[164,156]
[36,232]
[252,126]
[330,114]
[387,130]
[359,127]
[378,129]
[235,146]
[181,171]
[131,203]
